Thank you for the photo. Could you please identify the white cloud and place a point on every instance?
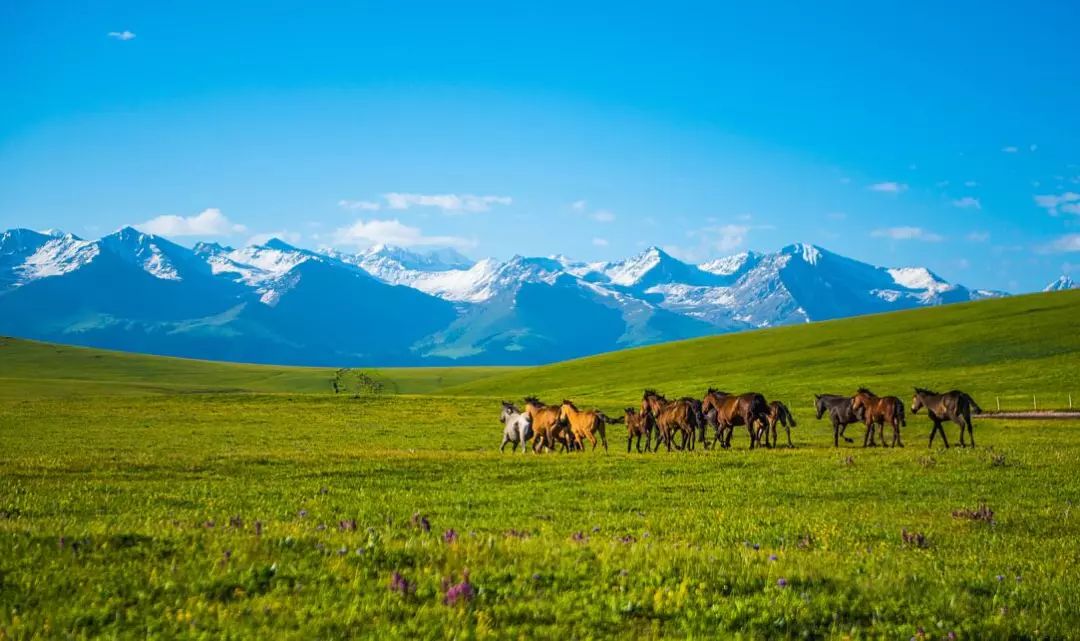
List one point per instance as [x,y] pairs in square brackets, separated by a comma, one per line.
[122,35]
[579,205]
[446,202]
[392,232]
[600,242]
[208,222]
[361,205]
[1068,202]
[907,233]
[978,236]
[889,187]
[725,238]
[603,216]
[1064,244]
[1011,149]
[967,202]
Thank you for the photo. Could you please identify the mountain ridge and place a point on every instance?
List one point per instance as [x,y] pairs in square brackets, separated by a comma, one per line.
[274,302]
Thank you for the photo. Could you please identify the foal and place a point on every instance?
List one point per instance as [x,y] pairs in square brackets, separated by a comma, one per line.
[878,410]
[638,424]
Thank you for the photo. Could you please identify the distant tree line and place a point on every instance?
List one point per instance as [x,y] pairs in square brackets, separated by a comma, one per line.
[355,382]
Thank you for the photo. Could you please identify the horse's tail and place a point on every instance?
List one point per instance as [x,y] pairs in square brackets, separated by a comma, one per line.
[607,419]
[788,415]
[972,403]
[759,409]
[900,412]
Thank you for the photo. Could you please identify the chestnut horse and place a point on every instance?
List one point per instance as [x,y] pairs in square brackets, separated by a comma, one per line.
[879,410]
[729,410]
[546,425]
[586,424]
[778,413]
[670,417]
[955,406]
[638,424]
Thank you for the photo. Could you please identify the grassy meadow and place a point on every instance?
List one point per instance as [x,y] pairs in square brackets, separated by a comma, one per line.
[144,497]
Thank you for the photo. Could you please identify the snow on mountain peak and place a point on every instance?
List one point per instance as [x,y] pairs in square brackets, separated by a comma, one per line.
[919,278]
[1063,283]
[58,256]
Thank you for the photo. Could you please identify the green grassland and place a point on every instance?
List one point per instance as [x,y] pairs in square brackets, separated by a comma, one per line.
[144,497]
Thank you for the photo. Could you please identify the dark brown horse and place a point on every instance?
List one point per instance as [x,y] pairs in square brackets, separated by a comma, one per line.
[671,417]
[955,406]
[638,424]
[728,410]
[877,411]
[840,414]
[778,414]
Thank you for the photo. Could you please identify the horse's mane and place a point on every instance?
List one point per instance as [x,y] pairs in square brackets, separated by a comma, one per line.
[713,390]
[570,403]
[534,401]
[923,390]
[863,390]
[631,411]
[651,392]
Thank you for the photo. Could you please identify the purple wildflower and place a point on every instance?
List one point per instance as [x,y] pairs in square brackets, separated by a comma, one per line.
[61,542]
[773,557]
[421,522]
[208,525]
[302,513]
[450,536]
[782,582]
[756,547]
[460,592]
[596,528]
[258,528]
[578,537]
[324,490]
[236,522]
[951,636]
[320,527]
[400,584]
[347,525]
[628,539]
[1000,577]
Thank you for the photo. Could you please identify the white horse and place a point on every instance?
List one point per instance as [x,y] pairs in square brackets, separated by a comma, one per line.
[517,427]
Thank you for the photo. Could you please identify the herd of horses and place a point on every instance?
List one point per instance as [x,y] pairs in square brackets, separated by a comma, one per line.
[683,422]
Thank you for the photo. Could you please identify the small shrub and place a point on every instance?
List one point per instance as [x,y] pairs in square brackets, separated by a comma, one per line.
[982,513]
[914,539]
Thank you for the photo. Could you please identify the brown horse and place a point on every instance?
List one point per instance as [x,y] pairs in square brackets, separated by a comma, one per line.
[778,414]
[546,425]
[879,410]
[955,406]
[586,424]
[670,417]
[728,410]
[638,424]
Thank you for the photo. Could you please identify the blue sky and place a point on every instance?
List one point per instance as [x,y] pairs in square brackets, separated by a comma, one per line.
[899,133]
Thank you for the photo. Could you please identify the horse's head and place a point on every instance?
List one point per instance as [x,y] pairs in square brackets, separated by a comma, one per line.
[819,405]
[565,409]
[858,402]
[916,401]
[508,409]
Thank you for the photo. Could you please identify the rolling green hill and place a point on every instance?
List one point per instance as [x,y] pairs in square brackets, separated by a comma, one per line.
[1009,348]
[43,369]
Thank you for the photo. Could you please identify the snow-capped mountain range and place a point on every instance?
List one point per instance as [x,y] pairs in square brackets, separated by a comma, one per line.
[392,306]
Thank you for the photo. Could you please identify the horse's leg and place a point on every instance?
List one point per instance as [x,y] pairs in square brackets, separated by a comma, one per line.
[506,439]
[775,439]
[868,438]
[835,432]
[881,432]
[941,428]
[971,432]
[787,428]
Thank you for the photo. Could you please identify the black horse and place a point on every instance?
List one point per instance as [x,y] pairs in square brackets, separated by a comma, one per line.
[840,413]
[955,406]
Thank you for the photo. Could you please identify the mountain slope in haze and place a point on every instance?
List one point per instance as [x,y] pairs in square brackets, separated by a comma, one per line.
[274,302]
